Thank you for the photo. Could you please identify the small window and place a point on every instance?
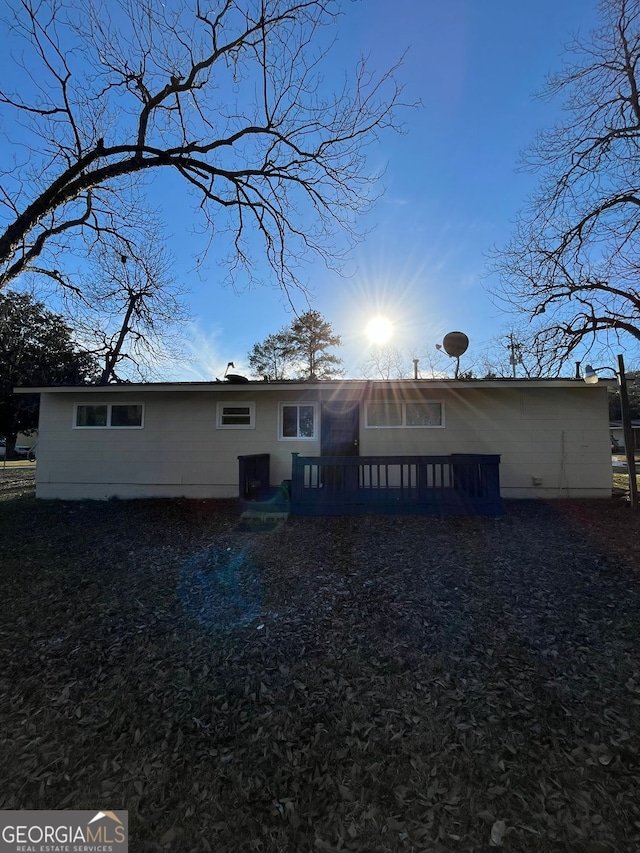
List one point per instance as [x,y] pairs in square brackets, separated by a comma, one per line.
[108,415]
[236,416]
[412,414]
[298,421]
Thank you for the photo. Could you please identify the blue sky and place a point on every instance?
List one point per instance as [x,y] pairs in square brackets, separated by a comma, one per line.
[452,186]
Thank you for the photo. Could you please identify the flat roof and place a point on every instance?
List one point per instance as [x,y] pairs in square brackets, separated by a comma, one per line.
[297,385]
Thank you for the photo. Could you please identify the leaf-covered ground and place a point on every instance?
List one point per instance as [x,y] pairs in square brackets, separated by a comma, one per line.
[358,684]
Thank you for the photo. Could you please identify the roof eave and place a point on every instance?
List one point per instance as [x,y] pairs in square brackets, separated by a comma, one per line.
[333,384]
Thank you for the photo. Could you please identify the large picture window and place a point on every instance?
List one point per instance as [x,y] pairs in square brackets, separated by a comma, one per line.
[236,416]
[297,421]
[108,415]
[385,414]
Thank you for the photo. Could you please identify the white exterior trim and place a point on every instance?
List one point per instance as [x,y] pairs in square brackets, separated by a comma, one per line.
[331,386]
[404,424]
[235,404]
[297,404]
[109,406]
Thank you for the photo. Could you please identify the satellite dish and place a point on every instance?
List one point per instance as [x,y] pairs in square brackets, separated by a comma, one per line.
[455,344]
[233,378]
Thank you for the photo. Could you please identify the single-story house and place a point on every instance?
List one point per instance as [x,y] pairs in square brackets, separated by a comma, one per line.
[548,438]
[617,435]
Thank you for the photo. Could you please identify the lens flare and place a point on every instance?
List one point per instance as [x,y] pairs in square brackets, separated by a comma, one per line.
[379,330]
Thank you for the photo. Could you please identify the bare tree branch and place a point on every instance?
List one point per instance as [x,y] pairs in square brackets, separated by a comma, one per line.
[228,95]
[573,264]
[128,310]
[385,362]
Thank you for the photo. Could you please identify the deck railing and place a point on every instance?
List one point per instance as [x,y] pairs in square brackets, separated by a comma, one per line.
[461,484]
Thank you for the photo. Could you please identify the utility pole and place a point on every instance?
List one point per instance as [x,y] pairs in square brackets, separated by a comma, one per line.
[515,349]
[591,378]
[629,443]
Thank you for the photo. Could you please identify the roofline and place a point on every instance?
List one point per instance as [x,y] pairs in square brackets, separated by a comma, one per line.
[294,385]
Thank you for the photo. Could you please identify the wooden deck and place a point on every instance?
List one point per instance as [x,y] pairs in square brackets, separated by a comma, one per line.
[460,484]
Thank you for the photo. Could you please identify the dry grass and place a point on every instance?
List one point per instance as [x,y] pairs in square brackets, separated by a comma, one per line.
[621,482]
[372,684]
[621,476]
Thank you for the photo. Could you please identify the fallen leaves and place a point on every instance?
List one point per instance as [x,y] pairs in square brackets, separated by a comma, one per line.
[415,684]
[497,833]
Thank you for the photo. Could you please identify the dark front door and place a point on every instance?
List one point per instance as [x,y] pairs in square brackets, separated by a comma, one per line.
[340,431]
[340,428]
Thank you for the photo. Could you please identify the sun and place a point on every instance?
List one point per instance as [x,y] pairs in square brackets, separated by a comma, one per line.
[379,330]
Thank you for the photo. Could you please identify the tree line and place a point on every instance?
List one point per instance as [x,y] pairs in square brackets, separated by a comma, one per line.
[298,351]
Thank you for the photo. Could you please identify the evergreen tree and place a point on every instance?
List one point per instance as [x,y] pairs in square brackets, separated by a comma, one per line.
[633,390]
[273,359]
[311,337]
[299,351]
[36,348]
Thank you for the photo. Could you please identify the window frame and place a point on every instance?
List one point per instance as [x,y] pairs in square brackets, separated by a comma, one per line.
[109,406]
[404,424]
[297,403]
[245,404]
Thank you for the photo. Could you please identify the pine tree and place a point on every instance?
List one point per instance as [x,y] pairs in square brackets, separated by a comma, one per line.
[273,359]
[311,337]
[299,351]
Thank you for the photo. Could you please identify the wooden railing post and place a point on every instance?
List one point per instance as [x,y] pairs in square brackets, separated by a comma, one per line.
[492,479]
[297,481]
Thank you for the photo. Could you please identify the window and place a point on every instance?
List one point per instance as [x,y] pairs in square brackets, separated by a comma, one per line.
[127,415]
[298,421]
[384,414]
[108,415]
[393,413]
[236,416]
[91,416]
[423,414]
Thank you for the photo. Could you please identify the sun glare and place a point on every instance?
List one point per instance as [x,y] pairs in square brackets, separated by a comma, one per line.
[379,330]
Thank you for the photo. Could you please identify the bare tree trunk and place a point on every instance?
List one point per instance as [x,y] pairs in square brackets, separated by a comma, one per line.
[113,356]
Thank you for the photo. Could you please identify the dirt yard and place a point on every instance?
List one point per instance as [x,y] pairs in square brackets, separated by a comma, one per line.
[370,684]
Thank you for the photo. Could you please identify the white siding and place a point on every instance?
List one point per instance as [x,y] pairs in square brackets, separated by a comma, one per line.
[553,442]
[557,436]
[178,453]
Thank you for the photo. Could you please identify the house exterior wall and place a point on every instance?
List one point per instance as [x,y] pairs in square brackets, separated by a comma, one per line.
[617,438]
[178,453]
[553,442]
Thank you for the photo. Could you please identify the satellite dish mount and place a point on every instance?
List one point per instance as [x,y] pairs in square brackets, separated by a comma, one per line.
[454,344]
